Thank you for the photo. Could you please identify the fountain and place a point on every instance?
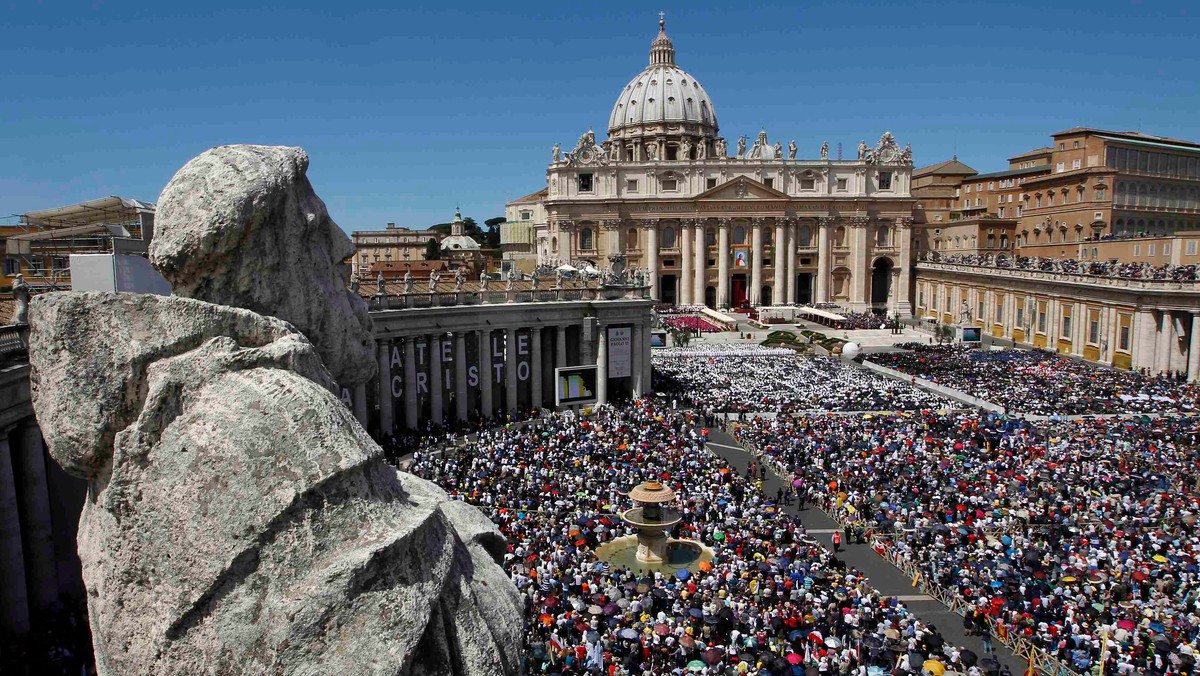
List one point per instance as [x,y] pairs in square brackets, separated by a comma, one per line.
[651,550]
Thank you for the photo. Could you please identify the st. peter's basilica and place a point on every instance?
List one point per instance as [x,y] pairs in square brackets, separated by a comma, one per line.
[726,223]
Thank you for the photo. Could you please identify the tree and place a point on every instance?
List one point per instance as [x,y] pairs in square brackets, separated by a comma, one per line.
[680,337]
[432,251]
[944,334]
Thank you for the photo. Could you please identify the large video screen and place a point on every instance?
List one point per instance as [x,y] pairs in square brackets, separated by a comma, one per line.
[971,334]
[574,385]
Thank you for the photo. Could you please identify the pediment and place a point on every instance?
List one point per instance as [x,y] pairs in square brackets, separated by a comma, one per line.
[741,188]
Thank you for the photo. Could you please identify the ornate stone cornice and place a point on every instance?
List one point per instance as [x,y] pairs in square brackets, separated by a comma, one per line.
[827,221]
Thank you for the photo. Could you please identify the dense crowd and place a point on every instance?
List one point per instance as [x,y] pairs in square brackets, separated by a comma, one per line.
[1072,266]
[1069,536]
[779,380]
[691,323]
[1040,382]
[772,601]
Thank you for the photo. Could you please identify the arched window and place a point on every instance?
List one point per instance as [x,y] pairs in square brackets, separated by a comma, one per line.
[631,238]
[739,234]
[881,237]
[668,237]
[839,236]
[804,236]
[585,239]
[767,235]
[710,237]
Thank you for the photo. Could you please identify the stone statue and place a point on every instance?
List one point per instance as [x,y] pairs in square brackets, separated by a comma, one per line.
[964,313]
[556,154]
[408,281]
[20,292]
[435,276]
[380,287]
[238,519]
[722,152]
[355,282]
[792,149]
[460,277]
[651,151]
[510,280]
[558,279]
[483,280]
[862,150]
[778,150]
[685,150]
[741,147]
[906,154]
[825,150]
[533,281]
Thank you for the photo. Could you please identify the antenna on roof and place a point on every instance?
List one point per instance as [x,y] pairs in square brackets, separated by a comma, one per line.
[839,150]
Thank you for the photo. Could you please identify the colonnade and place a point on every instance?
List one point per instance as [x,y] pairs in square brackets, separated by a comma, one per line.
[439,377]
[28,564]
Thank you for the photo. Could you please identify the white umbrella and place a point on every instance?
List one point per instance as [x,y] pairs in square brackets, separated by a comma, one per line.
[566,267]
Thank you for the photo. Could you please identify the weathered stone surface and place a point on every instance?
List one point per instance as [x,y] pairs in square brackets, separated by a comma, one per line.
[241,226]
[239,519]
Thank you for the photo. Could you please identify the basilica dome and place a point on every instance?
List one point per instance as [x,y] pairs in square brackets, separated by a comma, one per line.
[663,93]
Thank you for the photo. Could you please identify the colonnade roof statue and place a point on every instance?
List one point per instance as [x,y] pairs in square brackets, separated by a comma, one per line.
[239,520]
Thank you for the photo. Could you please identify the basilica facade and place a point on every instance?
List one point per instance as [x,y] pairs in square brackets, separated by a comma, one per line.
[723,224]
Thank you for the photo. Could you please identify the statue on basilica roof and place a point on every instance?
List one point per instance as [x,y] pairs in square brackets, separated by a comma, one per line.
[825,150]
[741,148]
[792,149]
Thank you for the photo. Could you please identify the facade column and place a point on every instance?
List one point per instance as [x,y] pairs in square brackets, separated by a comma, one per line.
[1143,334]
[823,260]
[510,369]
[723,299]
[789,262]
[36,530]
[652,259]
[860,268]
[1162,355]
[14,599]
[360,403]
[410,383]
[756,253]
[779,283]
[1193,368]
[565,245]
[1081,328]
[486,377]
[683,288]
[602,365]
[386,426]
[535,368]
[699,251]
[903,292]
[460,376]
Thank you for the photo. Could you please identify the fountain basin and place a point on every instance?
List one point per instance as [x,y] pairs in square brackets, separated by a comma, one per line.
[652,518]
[675,555]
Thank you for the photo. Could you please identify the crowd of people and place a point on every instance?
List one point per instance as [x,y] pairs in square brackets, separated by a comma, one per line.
[771,602]
[742,379]
[1072,266]
[691,323]
[1040,382]
[1073,535]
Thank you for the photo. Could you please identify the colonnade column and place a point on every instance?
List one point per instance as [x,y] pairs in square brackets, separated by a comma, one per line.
[385,389]
[560,346]
[360,402]
[602,365]
[14,601]
[683,289]
[698,265]
[535,375]
[436,380]
[486,379]
[510,369]
[410,383]
[779,284]
[823,260]
[647,367]
[756,253]
[460,375]
[34,498]
[637,338]
[652,258]
[1194,349]
[723,299]
[1143,332]
[1162,356]
[789,261]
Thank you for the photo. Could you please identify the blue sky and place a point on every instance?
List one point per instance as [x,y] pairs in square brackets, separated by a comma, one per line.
[406,111]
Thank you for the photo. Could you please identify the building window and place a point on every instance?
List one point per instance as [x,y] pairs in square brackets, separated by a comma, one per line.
[670,185]
[710,183]
[585,183]
[1137,249]
[585,239]
[1123,333]
[1060,168]
[1094,329]
[808,184]
[1041,319]
[1066,325]
[841,185]
[668,237]
[1190,249]
[1037,202]
[1021,317]
[1100,192]
[12,266]
[631,185]
[739,235]
[710,237]
[885,180]
[979,311]
[769,182]
[1075,164]
[1000,311]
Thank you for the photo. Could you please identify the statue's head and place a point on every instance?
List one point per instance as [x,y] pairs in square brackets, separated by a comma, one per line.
[241,226]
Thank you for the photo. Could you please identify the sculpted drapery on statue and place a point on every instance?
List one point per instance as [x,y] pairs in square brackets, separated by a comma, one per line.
[239,520]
